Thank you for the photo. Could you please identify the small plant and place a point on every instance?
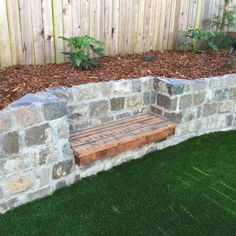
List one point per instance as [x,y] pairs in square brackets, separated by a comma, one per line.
[229,64]
[81,50]
[223,23]
[198,39]
[147,58]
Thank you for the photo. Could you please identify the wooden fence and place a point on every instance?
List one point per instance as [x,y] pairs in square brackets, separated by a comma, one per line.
[29,29]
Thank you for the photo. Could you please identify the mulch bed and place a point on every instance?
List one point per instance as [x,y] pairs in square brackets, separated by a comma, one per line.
[16,81]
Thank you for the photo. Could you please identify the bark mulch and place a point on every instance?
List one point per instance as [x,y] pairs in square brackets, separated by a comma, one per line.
[16,81]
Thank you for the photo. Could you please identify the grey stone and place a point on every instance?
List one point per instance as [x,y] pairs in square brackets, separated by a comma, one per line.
[209,109]
[173,116]
[86,91]
[221,94]
[46,155]
[136,86]
[18,184]
[175,89]
[106,89]
[5,121]
[54,111]
[99,108]
[63,130]
[199,98]
[166,102]
[9,204]
[230,80]
[134,101]
[25,115]
[44,175]
[153,98]
[232,93]
[80,125]
[60,184]
[63,93]
[159,85]
[39,193]
[11,143]
[229,120]
[78,110]
[156,110]
[123,115]
[62,168]
[117,103]
[185,101]
[146,98]
[38,135]
[121,87]
[225,106]
[17,163]
[199,84]
[1,192]
[66,150]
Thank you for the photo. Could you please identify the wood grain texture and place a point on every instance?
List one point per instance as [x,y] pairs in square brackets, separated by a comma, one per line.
[30,28]
[116,137]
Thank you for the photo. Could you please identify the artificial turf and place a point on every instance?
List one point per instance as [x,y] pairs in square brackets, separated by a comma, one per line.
[188,189]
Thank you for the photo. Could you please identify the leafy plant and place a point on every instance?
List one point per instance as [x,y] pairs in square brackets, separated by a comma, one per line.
[147,58]
[81,48]
[229,64]
[223,23]
[197,40]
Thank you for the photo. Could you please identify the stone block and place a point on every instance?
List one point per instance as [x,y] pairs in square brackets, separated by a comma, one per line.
[67,151]
[38,135]
[199,98]
[121,87]
[60,184]
[106,88]
[185,101]
[221,94]
[63,93]
[156,110]
[9,204]
[5,121]
[78,110]
[63,130]
[19,184]
[46,155]
[17,163]
[39,193]
[229,120]
[11,142]
[62,168]
[134,101]
[159,85]
[199,84]
[25,115]
[80,125]
[43,175]
[86,91]
[98,108]
[225,106]
[54,111]
[153,97]
[117,103]
[230,80]
[146,98]
[136,86]
[209,109]
[123,115]
[166,102]
[232,93]
[175,117]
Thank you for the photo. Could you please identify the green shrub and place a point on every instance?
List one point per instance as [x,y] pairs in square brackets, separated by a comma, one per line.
[229,64]
[197,40]
[147,58]
[81,48]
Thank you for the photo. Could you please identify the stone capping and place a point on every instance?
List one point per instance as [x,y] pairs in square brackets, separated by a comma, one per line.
[35,154]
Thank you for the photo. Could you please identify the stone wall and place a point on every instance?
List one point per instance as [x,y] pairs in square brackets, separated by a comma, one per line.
[35,155]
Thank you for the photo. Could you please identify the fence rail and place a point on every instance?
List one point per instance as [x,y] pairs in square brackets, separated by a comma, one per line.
[29,29]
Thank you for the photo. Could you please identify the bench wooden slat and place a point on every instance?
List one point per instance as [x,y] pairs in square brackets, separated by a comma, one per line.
[116,137]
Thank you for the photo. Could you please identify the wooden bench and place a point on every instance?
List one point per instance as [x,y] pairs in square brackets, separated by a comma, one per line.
[119,136]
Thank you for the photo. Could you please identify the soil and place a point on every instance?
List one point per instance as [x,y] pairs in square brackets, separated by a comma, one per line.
[16,81]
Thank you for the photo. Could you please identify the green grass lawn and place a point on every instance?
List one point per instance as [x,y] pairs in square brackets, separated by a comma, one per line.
[188,189]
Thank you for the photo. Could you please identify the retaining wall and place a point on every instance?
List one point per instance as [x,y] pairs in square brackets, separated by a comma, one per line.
[35,156]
